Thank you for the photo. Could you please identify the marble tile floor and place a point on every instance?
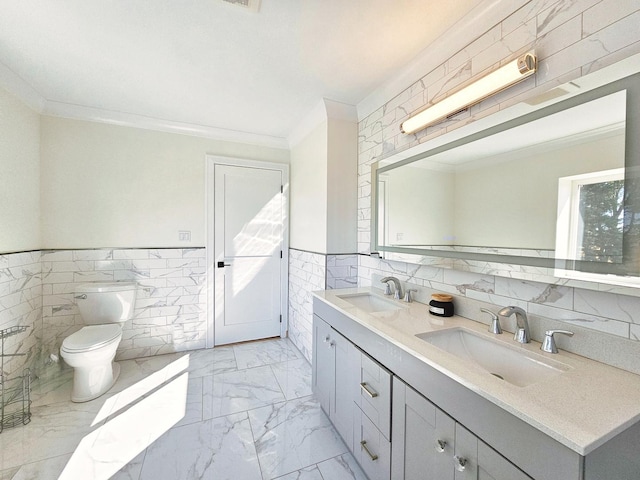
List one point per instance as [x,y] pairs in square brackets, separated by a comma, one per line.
[240,412]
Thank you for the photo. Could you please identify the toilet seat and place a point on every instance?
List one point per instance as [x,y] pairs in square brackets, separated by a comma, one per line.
[91,338]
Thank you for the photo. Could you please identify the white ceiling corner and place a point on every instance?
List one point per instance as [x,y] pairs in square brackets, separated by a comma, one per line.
[210,69]
[21,89]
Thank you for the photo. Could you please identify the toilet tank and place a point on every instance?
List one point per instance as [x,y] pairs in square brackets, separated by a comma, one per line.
[106,302]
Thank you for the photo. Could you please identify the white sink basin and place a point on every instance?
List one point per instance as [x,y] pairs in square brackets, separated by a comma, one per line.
[370,303]
[514,365]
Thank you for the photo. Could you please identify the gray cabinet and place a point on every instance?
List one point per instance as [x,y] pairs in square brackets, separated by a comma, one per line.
[371,449]
[423,437]
[430,445]
[373,395]
[323,364]
[335,368]
[372,418]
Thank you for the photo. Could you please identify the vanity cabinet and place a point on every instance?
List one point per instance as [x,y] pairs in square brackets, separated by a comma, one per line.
[496,443]
[430,445]
[355,392]
[335,368]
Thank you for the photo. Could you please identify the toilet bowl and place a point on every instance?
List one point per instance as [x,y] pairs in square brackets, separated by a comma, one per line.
[104,307]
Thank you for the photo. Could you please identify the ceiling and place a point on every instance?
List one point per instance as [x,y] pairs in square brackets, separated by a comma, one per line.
[213,64]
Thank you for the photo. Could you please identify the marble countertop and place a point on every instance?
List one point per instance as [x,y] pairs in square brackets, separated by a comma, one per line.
[581,408]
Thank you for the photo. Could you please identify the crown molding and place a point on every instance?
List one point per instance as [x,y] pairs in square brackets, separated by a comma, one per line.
[79,112]
[18,87]
[478,21]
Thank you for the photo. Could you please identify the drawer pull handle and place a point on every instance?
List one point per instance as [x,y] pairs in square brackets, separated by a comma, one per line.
[368,390]
[373,457]
[440,445]
[460,462]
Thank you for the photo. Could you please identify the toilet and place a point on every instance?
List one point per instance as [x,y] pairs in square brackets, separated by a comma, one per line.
[104,308]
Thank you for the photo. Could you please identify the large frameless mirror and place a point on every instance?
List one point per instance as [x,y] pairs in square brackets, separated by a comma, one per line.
[553,188]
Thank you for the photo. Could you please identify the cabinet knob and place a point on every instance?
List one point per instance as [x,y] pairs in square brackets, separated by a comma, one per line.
[440,445]
[327,338]
[460,463]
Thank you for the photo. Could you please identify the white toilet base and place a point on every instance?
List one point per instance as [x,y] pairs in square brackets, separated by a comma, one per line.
[90,383]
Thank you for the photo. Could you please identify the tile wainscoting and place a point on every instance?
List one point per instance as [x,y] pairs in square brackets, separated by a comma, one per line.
[309,271]
[36,290]
[21,305]
[170,311]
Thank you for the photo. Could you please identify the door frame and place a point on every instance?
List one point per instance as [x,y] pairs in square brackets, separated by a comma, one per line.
[210,162]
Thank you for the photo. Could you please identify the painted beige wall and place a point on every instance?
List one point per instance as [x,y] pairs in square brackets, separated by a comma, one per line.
[342,173]
[308,192]
[112,186]
[20,175]
[323,200]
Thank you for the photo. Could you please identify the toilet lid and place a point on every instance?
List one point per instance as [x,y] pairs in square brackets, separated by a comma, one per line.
[92,337]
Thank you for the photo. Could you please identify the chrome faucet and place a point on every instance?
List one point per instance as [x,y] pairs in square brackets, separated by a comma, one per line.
[398,291]
[495,327]
[549,343]
[522,334]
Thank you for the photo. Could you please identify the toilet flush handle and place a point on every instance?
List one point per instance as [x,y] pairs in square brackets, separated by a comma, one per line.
[81,297]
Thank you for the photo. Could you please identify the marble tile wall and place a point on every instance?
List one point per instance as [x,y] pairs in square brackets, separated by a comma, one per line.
[170,311]
[342,271]
[308,272]
[585,312]
[571,39]
[21,305]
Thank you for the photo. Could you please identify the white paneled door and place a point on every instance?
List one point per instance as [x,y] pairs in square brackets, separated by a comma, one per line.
[249,229]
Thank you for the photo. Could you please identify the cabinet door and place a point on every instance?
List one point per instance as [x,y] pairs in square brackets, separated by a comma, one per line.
[465,459]
[423,437]
[475,460]
[345,380]
[492,466]
[323,364]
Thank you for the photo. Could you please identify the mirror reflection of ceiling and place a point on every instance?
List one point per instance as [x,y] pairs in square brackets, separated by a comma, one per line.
[593,117]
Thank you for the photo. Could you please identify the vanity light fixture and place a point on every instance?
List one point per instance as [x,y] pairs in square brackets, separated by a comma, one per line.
[510,74]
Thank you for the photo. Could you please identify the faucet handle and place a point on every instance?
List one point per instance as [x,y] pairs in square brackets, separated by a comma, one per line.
[549,343]
[407,295]
[494,327]
[387,289]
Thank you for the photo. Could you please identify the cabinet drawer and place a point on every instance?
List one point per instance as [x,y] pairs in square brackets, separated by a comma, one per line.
[370,448]
[374,394]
